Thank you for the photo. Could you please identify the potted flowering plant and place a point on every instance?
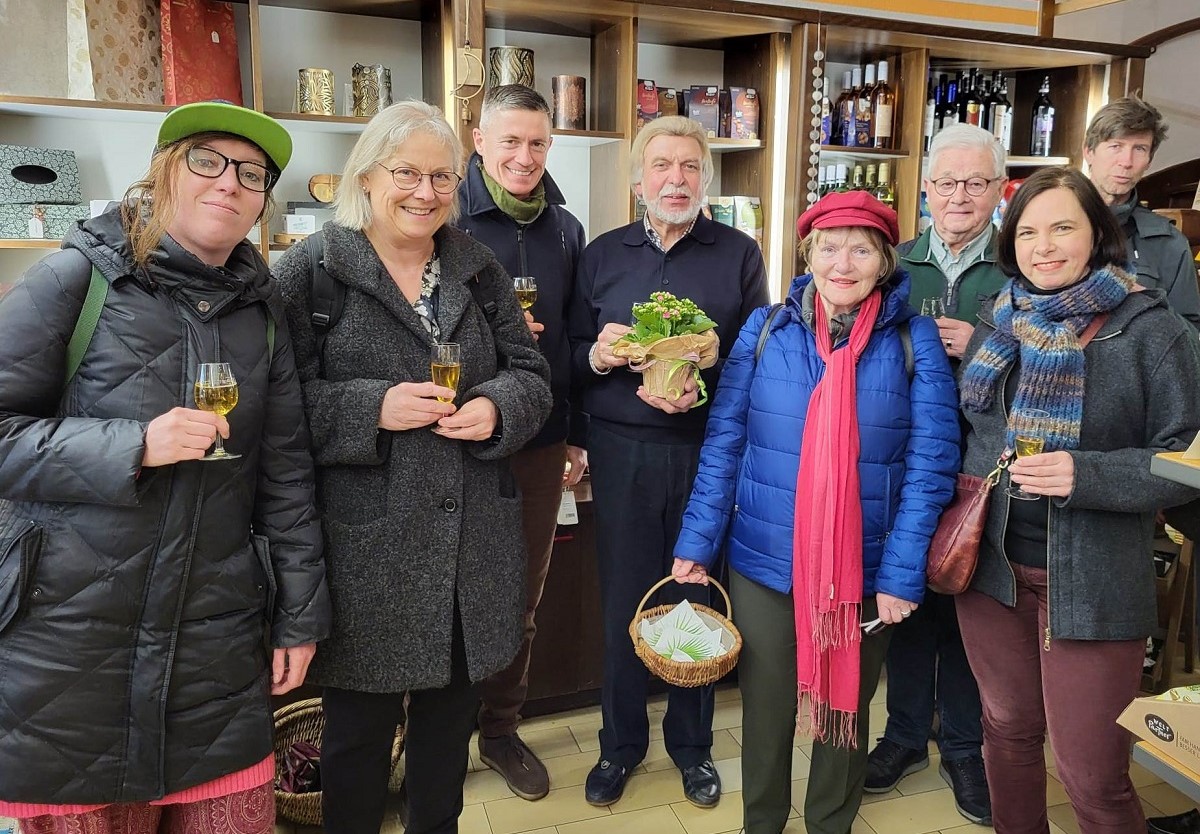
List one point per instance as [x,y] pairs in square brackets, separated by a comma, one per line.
[671,340]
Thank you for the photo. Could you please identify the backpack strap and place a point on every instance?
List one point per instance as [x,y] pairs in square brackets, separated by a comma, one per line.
[485,296]
[85,325]
[905,335]
[328,296]
[270,339]
[766,330]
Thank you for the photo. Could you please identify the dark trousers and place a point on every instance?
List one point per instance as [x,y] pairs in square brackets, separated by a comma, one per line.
[539,474]
[357,744]
[639,492]
[767,679]
[927,669]
[1076,690]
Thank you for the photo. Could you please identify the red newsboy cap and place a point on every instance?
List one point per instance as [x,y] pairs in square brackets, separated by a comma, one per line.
[843,209]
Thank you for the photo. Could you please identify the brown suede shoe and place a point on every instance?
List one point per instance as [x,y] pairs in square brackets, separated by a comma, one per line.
[522,770]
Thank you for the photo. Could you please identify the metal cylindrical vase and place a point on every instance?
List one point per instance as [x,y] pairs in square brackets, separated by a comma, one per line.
[316,92]
[570,102]
[510,65]
[372,88]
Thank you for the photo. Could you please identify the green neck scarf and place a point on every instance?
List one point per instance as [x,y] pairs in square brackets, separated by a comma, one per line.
[523,211]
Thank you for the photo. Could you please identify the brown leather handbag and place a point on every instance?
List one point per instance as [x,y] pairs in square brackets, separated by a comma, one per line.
[954,548]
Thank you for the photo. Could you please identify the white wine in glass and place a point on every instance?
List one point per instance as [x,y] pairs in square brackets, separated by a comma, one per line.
[216,390]
[526,288]
[445,367]
[1030,426]
[934,306]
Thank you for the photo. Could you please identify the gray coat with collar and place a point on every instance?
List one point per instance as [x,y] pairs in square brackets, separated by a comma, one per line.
[416,524]
[1139,399]
[1162,258]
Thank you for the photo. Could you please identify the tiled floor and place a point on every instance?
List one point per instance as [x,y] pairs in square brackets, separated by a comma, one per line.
[653,802]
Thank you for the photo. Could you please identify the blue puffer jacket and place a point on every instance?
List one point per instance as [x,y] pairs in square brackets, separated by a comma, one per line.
[909,455]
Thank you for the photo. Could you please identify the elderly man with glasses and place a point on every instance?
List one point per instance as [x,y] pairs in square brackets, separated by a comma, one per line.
[954,260]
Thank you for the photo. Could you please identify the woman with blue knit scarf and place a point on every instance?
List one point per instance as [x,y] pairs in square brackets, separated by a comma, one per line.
[1057,616]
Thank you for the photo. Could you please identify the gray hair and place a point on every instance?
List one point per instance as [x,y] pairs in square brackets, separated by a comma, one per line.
[386,133]
[511,97]
[1125,116]
[670,126]
[967,138]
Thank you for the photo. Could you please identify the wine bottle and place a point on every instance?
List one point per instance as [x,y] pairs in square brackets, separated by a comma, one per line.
[884,192]
[985,97]
[1042,119]
[872,178]
[857,181]
[826,113]
[840,178]
[883,110]
[1007,123]
[837,134]
[849,113]
[972,104]
[932,98]
[949,111]
[862,138]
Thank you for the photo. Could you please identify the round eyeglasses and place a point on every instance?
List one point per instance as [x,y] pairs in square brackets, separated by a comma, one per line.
[253,176]
[975,186]
[443,182]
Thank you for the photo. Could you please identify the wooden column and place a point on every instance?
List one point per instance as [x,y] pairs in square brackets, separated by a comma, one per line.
[446,27]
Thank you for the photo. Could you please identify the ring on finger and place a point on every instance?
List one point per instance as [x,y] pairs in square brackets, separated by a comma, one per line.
[905,613]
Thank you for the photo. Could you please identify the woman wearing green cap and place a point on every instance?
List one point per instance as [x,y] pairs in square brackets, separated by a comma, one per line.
[152,599]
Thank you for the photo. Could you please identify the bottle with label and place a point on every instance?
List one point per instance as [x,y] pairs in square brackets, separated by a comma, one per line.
[932,99]
[826,113]
[884,192]
[949,110]
[1005,133]
[1042,115]
[862,138]
[849,114]
[985,97]
[837,133]
[857,181]
[872,178]
[883,110]
[997,107]
[840,178]
[972,105]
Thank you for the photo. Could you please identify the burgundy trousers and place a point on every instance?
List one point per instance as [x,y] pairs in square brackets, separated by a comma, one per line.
[247,812]
[1074,690]
[539,474]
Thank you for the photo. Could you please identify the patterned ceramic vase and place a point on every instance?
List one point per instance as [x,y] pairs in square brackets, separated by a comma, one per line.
[510,65]
[316,92]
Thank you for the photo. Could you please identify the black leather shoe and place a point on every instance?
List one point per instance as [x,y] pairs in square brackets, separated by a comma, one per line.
[605,783]
[1188,823]
[971,797]
[888,763]
[702,784]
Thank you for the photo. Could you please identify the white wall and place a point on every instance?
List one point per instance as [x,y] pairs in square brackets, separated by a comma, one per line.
[1171,72]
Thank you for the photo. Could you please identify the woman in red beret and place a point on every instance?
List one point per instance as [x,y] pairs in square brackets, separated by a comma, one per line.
[832,447]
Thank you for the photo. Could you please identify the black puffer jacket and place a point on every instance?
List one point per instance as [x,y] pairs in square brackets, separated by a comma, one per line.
[138,663]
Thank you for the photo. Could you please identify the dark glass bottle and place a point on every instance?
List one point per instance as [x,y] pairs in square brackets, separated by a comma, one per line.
[971,107]
[1042,128]
[949,110]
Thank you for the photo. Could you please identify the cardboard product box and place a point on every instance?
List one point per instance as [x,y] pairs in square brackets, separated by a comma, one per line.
[647,102]
[704,106]
[744,113]
[722,209]
[1169,722]
[748,216]
[38,175]
[14,220]
[1185,220]
[723,109]
[668,101]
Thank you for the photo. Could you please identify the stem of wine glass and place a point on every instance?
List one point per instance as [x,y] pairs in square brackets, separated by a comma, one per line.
[220,450]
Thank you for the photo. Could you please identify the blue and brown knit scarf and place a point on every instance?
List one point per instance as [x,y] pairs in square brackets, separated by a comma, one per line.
[1045,329]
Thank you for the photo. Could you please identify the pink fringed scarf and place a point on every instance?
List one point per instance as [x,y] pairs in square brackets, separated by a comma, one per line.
[827,569]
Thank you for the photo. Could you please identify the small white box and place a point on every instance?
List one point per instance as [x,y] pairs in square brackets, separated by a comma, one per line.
[299,224]
[97,207]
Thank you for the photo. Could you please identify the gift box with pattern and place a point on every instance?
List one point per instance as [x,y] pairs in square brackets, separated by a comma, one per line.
[56,220]
[38,175]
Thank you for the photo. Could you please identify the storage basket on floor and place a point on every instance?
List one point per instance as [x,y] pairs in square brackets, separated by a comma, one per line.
[693,673]
[304,721]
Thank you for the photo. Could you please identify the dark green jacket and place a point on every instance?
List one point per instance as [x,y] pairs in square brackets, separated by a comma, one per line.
[1162,257]
[981,280]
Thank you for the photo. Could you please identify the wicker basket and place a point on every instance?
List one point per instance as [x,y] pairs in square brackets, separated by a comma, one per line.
[696,673]
[304,721]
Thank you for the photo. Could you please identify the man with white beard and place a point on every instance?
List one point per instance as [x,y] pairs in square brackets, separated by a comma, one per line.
[642,449]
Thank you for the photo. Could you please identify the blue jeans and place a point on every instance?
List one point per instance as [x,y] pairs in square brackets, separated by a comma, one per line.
[926,669]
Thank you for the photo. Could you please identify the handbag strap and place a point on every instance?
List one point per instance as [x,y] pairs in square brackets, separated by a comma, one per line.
[1092,329]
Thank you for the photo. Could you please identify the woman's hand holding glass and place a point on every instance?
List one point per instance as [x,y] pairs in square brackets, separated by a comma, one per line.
[476,420]
[1049,473]
[413,405]
[182,434]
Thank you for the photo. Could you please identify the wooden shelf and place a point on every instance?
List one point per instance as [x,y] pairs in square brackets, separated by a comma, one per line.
[9,243]
[585,138]
[863,153]
[1036,161]
[68,108]
[399,9]
[321,124]
[723,145]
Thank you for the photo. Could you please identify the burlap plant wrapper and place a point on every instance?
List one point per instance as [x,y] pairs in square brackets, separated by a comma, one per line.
[667,363]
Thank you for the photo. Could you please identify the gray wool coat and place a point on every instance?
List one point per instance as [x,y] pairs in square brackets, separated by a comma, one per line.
[1140,397]
[416,524]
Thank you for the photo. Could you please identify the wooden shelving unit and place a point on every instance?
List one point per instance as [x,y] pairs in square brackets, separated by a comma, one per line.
[11,243]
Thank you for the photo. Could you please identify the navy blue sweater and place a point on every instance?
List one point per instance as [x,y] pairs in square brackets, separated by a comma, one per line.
[548,249]
[719,268]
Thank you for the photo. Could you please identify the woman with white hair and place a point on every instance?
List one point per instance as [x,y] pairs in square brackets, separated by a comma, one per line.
[423,519]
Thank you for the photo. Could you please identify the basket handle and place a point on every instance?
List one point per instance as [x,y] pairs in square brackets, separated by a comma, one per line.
[666,579]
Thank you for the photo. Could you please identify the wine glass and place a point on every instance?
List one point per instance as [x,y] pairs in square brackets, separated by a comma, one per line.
[934,307]
[445,366]
[1030,427]
[216,390]
[526,288]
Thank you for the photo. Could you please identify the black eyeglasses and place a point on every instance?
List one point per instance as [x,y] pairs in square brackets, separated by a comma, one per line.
[253,176]
[976,186]
[443,182]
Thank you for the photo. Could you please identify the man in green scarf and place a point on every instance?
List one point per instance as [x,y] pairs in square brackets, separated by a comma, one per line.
[512,205]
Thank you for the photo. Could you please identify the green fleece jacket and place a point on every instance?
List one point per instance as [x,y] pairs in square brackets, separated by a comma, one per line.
[981,280]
